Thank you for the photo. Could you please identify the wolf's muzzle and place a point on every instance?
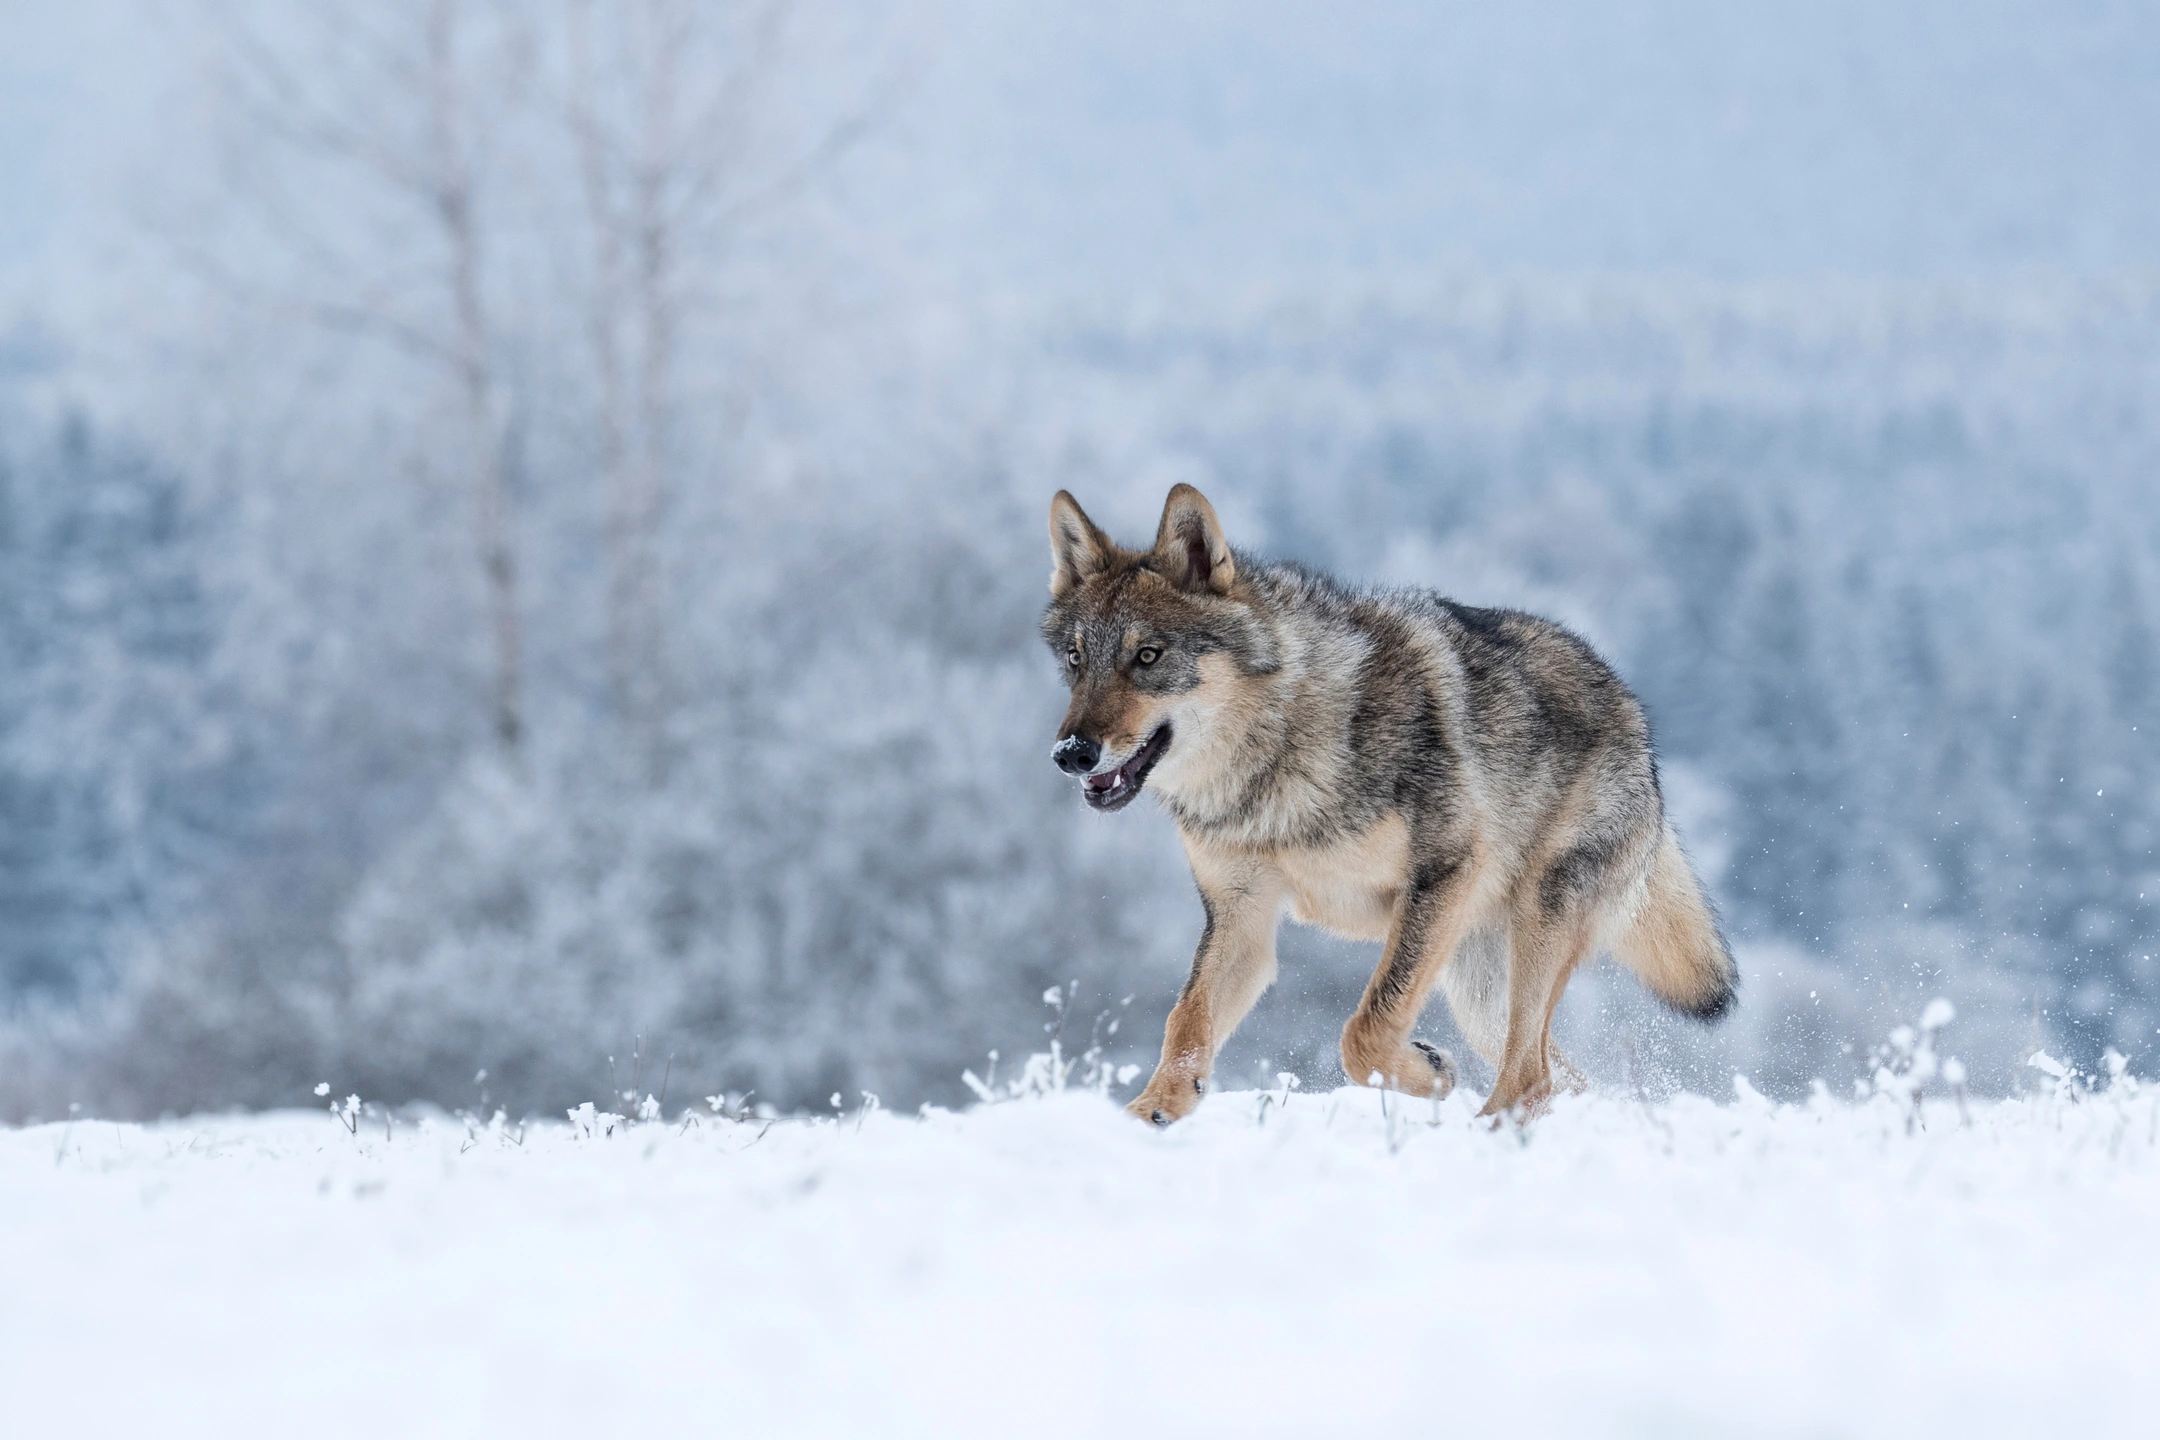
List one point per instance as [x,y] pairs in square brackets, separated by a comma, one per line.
[1076,755]
[1108,790]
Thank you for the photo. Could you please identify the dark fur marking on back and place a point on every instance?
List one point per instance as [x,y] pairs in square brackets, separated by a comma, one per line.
[1485,623]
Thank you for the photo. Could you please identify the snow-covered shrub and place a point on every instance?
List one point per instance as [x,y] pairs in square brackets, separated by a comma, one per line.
[1906,1064]
[1052,1071]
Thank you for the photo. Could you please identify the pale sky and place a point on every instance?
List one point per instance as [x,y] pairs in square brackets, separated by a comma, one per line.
[80,84]
[1138,146]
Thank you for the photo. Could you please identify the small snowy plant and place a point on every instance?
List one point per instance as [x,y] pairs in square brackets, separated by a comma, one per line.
[625,1108]
[1906,1064]
[736,1108]
[648,1109]
[2067,1082]
[2064,1082]
[588,1122]
[346,1112]
[2120,1080]
[1278,1098]
[2114,1096]
[1051,1072]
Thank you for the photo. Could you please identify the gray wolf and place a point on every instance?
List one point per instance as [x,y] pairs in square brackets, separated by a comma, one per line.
[1475,788]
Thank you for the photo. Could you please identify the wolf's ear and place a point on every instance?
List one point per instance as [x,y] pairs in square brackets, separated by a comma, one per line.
[1189,545]
[1077,548]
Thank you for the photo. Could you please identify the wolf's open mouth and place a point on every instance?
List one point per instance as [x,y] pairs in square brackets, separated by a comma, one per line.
[1114,789]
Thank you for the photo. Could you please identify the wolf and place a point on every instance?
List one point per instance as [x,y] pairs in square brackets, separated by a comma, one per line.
[1473,787]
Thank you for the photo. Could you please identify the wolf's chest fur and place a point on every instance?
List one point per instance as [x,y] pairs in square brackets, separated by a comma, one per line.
[1351,887]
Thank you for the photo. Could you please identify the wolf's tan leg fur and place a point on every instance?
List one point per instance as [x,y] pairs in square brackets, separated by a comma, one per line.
[1431,920]
[1545,952]
[1234,964]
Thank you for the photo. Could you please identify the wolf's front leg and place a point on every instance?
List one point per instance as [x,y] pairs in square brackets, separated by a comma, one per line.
[1188,1053]
[1235,962]
[1431,920]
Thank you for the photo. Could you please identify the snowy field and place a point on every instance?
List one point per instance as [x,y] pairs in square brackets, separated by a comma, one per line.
[1282,1264]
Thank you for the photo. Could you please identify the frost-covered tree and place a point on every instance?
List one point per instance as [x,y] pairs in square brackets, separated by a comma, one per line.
[595,292]
[122,775]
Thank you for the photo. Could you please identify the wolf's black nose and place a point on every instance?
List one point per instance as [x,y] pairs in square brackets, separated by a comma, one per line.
[1076,755]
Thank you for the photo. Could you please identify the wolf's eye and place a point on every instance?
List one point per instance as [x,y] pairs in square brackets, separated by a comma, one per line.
[1148,655]
[1072,657]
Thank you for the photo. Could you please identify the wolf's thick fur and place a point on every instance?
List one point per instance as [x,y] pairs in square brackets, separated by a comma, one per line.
[1473,787]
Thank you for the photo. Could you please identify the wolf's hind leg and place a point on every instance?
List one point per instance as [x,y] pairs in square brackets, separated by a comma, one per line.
[1545,952]
[1475,984]
[1430,922]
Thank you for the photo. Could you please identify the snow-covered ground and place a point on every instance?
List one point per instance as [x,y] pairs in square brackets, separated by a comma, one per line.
[1282,1264]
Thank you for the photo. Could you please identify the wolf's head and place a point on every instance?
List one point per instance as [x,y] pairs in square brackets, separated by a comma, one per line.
[1157,645]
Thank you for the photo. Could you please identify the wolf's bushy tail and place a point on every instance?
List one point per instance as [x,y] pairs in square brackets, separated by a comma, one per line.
[1673,944]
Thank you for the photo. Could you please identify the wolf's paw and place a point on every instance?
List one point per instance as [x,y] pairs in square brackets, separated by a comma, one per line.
[1443,1065]
[1413,1069]
[1519,1103]
[1168,1099]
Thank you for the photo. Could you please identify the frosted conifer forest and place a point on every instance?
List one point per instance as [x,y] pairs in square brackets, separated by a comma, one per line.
[521,540]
